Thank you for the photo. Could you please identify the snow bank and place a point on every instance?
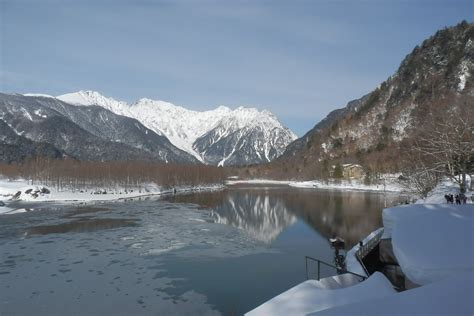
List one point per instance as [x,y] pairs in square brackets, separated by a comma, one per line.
[338,281]
[446,297]
[8,188]
[432,241]
[436,196]
[7,210]
[391,186]
[309,297]
[391,215]
[257,181]
[20,190]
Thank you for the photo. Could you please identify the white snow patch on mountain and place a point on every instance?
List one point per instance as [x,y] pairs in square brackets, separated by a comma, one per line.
[403,123]
[40,113]
[463,75]
[38,95]
[88,97]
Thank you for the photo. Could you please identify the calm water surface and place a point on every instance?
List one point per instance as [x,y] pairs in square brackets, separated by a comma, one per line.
[199,254]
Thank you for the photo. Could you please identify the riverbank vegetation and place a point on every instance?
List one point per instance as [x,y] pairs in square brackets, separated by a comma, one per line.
[73,174]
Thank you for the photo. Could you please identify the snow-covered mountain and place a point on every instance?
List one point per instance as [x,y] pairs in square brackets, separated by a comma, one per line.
[377,129]
[43,125]
[221,136]
[244,135]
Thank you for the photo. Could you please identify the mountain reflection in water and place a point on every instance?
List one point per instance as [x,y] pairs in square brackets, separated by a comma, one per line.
[265,211]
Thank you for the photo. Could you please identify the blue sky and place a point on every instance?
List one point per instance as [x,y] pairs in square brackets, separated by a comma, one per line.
[298,59]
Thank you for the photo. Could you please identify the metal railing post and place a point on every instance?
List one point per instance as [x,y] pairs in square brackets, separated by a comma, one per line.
[365,249]
[306,262]
[319,266]
[329,265]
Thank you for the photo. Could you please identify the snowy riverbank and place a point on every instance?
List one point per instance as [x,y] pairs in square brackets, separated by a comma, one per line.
[439,261]
[390,184]
[21,190]
[436,196]
[258,181]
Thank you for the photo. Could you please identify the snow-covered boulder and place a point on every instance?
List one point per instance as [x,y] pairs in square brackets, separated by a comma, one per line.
[31,193]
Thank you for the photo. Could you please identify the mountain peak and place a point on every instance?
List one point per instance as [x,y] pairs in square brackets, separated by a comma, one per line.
[90,97]
[434,77]
[266,136]
[223,108]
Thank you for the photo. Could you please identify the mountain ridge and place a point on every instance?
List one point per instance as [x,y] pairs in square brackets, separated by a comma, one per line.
[376,129]
[85,133]
[188,129]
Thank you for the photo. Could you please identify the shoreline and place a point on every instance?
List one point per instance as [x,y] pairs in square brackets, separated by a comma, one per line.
[344,185]
[71,197]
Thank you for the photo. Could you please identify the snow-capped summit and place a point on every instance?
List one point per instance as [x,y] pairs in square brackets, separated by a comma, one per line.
[244,136]
[211,136]
[88,97]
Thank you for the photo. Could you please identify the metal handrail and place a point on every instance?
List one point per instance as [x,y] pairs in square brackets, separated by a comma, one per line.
[367,248]
[329,265]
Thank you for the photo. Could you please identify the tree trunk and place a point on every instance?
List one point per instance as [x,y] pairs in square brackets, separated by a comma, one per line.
[463,185]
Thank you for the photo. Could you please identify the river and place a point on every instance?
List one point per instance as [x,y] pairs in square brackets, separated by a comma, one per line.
[210,253]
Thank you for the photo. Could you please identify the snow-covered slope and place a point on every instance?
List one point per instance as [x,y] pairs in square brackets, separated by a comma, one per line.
[221,136]
[38,95]
[180,125]
[33,125]
[91,98]
[244,136]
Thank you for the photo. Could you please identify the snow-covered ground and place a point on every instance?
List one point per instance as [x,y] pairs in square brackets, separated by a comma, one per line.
[258,181]
[433,245]
[436,196]
[451,296]
[390,184]
[432,241]
[9,192]
[309,297]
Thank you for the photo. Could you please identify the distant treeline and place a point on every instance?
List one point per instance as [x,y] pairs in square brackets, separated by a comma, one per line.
[63,174]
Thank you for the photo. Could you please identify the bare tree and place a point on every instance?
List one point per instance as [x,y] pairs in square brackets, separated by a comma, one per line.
[444,146]
[113,175]
[418,177]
